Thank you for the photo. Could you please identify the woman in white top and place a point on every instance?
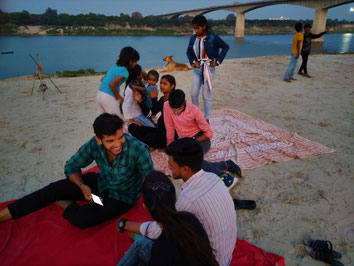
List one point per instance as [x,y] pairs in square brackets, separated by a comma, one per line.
[131,109]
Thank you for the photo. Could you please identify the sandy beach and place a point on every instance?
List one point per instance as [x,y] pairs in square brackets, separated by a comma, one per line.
[295,199]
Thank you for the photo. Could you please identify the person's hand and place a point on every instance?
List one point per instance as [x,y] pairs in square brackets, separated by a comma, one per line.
[297,56]
[213,63]
[120,100]
[154,92]
[144,75]
[136,122]
[86,190]
[197,64]
[137,96]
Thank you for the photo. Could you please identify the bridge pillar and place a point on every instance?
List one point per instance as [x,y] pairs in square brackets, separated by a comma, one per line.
[319,23]
[240,25]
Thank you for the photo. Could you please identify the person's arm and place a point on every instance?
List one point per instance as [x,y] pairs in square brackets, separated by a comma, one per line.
[167,117]
[103,77]
[190,52]
[203,125]
[299,46]
[136,87]
[143,162]
[113,86]
[315,36]
[79,160]
[155,106]
[224,48]
[128,103]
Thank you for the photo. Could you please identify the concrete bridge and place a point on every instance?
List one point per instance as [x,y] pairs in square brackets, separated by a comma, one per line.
[319,22]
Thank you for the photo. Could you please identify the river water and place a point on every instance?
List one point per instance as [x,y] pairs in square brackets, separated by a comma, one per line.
[58,53]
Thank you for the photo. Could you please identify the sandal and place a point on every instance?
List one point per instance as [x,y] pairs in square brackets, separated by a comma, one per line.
[244,204]
[322,245]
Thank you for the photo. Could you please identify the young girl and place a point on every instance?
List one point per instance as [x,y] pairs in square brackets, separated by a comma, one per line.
[204,55]
[131,109]
[155,137]
[183,240]
[108,98]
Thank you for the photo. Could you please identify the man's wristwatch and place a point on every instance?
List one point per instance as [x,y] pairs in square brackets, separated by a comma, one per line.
[121,225]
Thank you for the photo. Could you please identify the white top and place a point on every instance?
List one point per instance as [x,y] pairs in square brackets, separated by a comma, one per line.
[131,108]
[205,196]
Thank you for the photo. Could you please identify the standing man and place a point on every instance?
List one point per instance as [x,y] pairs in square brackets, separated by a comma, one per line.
[295,52]
[306,48]
[124,162]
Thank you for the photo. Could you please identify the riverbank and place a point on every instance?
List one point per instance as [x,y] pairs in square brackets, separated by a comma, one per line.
[117,30]
[312,196]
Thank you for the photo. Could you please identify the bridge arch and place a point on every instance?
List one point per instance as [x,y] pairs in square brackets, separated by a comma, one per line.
[319,22]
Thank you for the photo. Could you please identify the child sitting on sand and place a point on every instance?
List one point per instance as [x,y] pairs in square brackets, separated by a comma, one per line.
[131,109]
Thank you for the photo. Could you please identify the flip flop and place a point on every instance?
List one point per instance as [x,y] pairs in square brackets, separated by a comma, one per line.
[322,245]
[325,256]
[244,204]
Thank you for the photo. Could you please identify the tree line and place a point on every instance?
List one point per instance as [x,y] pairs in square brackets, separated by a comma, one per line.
[136,19]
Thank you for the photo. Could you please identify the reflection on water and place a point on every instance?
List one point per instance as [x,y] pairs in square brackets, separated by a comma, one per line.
[346,39]
[59,53]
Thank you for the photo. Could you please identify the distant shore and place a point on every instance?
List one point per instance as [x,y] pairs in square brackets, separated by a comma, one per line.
[116,30]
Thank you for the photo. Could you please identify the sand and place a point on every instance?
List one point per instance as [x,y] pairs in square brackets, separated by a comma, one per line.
[311,197]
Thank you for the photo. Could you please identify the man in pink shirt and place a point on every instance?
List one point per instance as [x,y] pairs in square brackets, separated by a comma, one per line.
[188,121]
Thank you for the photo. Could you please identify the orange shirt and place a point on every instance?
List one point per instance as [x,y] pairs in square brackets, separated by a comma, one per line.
[297,37]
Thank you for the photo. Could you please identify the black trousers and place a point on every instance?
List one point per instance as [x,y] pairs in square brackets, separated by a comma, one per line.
[154,137]
[84,216]
[303,66]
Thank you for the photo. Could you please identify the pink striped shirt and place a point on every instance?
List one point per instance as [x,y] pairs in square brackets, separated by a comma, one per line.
[205,195]
[190,122]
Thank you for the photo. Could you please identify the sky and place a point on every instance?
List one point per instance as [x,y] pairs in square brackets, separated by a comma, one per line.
[157,7]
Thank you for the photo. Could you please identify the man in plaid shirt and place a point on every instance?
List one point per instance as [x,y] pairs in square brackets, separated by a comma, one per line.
[124,162]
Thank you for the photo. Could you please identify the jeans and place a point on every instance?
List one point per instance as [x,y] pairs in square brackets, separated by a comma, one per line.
[197,83]
[303,66]
[83,216]
[216,168]
[289,73]
[139,251]
[144,120]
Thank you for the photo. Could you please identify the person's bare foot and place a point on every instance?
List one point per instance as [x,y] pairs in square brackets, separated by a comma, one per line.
[287,80]
[63,203]
[292,79]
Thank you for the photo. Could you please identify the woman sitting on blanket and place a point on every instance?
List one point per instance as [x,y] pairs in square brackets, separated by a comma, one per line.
[183,240]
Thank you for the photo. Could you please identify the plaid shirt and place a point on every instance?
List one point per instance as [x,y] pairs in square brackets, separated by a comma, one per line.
[125,177]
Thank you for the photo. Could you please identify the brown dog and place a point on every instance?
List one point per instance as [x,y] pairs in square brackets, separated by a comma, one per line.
[172,65]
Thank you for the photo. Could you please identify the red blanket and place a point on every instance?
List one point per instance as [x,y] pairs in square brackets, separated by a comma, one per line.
[46,238]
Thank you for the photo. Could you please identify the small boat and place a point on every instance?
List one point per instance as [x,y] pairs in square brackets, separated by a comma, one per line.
[10,52]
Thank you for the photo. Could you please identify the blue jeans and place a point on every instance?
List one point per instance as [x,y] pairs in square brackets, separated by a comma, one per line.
[144,120]
[197,83]
[289,73]
[139,251]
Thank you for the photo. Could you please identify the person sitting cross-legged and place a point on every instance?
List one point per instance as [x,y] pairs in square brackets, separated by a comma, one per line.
[188,121]
[203,195]
[123,164]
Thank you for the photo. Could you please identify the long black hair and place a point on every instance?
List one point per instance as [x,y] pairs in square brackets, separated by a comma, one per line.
[133,73]
[126,54]
[159,196]
[200,20]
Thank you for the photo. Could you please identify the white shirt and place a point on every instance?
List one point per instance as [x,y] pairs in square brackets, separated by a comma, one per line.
[131,108]
[205,196]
